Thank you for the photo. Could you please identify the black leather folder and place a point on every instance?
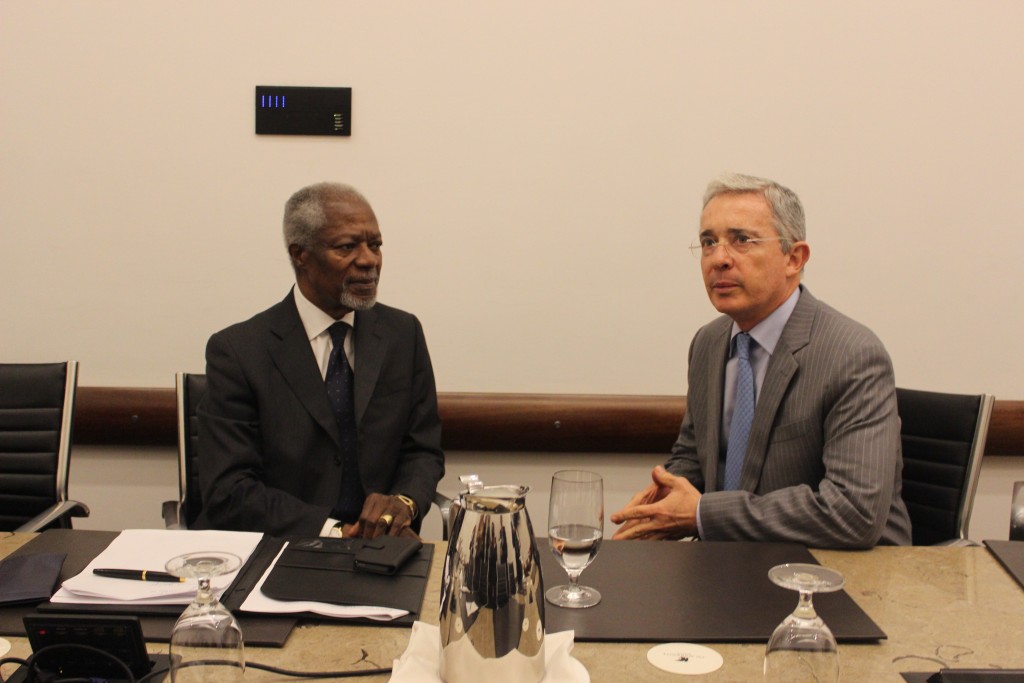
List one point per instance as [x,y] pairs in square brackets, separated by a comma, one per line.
[29,578]
[661,591]
[324,570]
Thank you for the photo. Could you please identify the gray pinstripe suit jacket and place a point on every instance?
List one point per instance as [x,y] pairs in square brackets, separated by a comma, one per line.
[823,465]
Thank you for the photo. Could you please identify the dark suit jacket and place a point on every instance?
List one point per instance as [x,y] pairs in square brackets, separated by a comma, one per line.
[823,465]
[269,449]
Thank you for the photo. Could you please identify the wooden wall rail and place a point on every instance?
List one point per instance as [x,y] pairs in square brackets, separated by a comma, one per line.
[482,422]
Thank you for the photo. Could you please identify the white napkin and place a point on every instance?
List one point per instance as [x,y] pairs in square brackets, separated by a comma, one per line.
[422,658]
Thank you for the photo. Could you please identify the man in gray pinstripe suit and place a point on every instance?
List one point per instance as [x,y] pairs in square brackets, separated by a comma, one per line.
[822,465]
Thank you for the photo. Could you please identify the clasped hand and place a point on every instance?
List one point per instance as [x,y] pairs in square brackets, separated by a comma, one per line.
[666,509]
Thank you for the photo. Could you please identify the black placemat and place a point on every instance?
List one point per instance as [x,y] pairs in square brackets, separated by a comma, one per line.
[965,676]
[1011,555]
[663,591]
[157,621]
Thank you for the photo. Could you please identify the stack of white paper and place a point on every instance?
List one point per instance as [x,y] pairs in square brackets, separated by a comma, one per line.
[150,549]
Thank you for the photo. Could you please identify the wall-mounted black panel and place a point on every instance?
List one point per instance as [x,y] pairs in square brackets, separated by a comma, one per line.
[286,110]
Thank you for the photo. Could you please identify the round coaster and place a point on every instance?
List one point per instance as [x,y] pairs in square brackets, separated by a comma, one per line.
[5,646]
[684,658]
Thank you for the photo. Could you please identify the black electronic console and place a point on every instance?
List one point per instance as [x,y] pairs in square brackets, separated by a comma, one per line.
[64,646]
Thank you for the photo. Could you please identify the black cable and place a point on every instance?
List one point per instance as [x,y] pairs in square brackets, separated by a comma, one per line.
[319,674]
[11,660]
[33,676]
[294,674]
[34,672]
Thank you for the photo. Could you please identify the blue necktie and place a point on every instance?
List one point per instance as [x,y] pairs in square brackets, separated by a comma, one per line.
[742,414]
[339,381]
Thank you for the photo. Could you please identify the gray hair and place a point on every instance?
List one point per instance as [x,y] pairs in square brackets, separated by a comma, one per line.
[787,211]
[304,214]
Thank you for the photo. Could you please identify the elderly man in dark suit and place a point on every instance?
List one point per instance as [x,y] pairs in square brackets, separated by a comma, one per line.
[321,412]
[791,432]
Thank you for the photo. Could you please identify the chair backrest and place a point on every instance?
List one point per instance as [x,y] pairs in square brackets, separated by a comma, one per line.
[190,389]
[943,438]
[37,403]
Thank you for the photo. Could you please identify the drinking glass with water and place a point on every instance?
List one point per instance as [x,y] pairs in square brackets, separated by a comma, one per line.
[575,530]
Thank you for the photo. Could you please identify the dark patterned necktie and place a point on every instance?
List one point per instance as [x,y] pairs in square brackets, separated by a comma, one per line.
[340,381]
[742,414]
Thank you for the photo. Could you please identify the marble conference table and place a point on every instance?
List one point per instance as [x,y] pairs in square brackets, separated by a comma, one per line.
[941,607]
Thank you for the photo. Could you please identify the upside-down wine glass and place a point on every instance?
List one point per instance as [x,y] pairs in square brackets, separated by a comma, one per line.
[206,642]
[575,530]
[802,648]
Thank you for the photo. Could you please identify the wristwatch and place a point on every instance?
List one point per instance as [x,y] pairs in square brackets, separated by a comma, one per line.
[336,531]
[409,503]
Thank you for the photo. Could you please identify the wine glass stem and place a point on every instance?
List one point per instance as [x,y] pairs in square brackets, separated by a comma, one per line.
[805,607]
[574,581]
[204,595]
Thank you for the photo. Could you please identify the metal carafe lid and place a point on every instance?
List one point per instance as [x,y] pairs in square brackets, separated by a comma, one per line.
[500,499]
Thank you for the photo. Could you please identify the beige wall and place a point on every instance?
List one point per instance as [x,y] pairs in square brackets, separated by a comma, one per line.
[536,167]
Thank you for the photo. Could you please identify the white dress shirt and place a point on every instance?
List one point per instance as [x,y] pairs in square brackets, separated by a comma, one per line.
[317,323]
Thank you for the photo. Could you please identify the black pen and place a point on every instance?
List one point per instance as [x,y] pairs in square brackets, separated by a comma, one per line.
[137,575]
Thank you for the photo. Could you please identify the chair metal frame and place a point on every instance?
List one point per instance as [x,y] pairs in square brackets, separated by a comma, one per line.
[972,466]
[63,508]
[987,401]
[174,510]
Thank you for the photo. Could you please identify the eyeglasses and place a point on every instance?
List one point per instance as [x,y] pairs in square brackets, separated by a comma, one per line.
[737,244]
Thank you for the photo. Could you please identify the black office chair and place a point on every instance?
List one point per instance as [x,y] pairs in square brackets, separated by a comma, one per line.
[180,514]
[37,405]
[943,437]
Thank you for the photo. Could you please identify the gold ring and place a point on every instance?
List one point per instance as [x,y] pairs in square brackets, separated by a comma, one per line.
[387,519]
